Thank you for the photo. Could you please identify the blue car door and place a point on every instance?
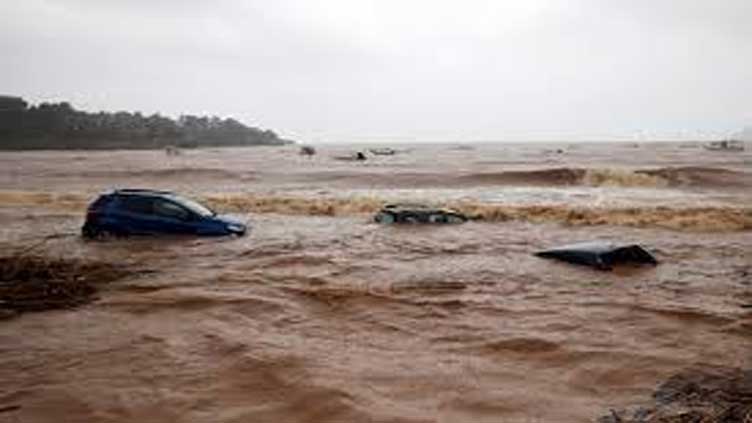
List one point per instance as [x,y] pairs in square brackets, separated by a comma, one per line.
[174,218]
[136,215]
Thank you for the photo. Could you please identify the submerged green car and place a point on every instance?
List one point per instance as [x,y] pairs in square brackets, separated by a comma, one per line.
[417,213]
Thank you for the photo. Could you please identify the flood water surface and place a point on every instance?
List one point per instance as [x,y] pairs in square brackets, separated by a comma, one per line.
[320,315]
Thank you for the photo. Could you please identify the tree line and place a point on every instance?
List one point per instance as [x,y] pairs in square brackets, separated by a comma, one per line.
[60,126]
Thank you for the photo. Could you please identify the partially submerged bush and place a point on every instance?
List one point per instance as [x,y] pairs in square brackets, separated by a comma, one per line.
[31,282]
[703,395]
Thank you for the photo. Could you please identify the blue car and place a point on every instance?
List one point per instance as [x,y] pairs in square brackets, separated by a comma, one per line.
[146,212]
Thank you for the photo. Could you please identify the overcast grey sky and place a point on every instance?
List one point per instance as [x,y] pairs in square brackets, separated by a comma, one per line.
[354,70]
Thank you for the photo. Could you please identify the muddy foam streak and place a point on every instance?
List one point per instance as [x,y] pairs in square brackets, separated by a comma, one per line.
[716,218]
[689,219]
[688,176]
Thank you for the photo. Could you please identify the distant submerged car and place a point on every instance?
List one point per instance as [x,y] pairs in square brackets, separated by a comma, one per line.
[725,145]
[417,213]
[148,212]
[385,151]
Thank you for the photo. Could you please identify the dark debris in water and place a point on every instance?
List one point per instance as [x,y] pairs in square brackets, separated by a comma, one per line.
[32,282]
[703,395]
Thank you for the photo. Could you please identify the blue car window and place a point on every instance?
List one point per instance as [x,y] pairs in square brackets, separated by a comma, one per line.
[99,202]
[166,208]
[140,205]
[194,207]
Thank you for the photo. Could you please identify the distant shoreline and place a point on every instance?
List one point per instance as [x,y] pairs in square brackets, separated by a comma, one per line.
[126,148]
[59,126]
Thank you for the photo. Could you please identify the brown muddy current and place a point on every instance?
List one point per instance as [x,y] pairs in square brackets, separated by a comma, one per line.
[319,315]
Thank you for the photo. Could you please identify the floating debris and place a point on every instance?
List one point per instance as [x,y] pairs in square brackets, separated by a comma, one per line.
[307,150]
[358,156]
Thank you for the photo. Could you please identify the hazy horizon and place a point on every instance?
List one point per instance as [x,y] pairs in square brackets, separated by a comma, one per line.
[367,71]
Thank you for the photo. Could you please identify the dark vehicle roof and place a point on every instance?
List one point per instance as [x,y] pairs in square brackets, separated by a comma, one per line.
[599,254]
[398,207]
[142,191]
[594,247]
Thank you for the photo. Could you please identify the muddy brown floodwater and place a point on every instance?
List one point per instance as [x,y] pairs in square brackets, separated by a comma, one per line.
[319,315]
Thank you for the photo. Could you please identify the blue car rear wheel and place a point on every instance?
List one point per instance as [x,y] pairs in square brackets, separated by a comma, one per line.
[93,232]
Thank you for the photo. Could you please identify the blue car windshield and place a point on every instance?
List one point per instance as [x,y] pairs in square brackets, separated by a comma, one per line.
[195,207]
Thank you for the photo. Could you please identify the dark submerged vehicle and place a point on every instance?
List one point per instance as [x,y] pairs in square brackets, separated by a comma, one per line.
[149,212]
[599,254]
[417,213]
